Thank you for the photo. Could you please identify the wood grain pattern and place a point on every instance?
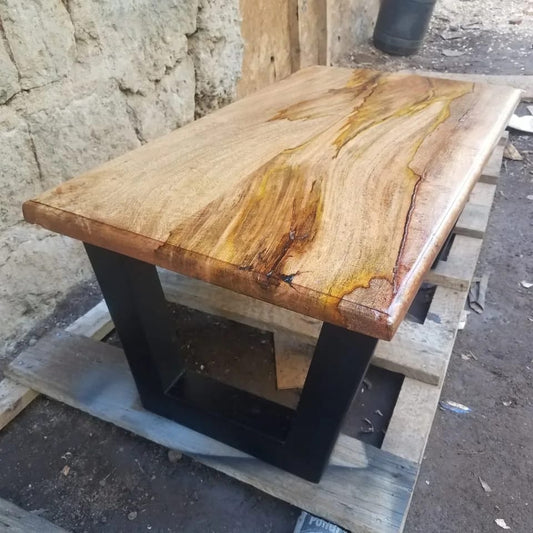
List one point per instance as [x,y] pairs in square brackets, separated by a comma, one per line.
[328,193]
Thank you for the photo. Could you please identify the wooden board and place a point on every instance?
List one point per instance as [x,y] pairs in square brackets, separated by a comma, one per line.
[271,48]
[215,300]
[364,489]
[458,269]
[14,398]
[492,169]
[519,81]
[312,26]
[13,519]
[257,196]
[419,351]
[411,421]
[96,323]
[293,358]
[473,220]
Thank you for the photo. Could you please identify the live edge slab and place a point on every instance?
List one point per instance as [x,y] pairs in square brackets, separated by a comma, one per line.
[329,193]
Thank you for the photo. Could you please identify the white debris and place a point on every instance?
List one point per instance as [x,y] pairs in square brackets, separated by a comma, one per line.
[501,522]
[524,123]
[485,485]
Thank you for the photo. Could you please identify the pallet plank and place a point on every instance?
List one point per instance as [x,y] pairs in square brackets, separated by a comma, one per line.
[364,489]
[418,351]
[293,358]
[483,194]
[473,221]
[15,520]
[422,351]
[458,269]
[14,398]
[492,170]
[215,300]
[96,323]
[411,420]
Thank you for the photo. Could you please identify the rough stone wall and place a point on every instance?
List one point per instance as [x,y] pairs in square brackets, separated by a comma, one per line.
[82,81]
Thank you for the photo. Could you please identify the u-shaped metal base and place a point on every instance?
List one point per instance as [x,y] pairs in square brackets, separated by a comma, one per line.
[299,441]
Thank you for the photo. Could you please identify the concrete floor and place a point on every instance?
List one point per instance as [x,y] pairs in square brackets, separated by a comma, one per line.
[119,482]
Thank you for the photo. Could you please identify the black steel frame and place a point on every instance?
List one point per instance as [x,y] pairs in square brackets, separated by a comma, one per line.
[299,441]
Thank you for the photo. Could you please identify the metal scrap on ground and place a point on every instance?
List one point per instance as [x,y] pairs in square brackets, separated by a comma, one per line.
[477,293]
[454,407]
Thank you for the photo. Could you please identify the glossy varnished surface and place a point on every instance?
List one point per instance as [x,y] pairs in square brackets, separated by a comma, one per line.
[329,193]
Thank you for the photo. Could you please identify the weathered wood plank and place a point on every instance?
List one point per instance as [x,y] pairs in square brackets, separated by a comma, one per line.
[364,489]
[257,196]
[14,398]
[473,221]
[458,269]
[270,34]
[13,519]
[215,300]
[422,351]
[411,421]
[96,323]
[492,169]
[293,357]
[419,351]
[313,40]
[483,194]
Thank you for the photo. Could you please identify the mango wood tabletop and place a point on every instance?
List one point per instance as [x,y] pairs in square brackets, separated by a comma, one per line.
[329,193]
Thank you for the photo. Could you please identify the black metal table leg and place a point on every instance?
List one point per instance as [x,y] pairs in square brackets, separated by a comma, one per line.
[298,441]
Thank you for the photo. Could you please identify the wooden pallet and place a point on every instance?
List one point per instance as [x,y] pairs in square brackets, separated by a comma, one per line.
[13,519]
[365,488]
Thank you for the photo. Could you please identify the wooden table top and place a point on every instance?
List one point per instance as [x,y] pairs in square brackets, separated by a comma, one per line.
[329,193]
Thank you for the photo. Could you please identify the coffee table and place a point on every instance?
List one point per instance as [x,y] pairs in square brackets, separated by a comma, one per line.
[329,193]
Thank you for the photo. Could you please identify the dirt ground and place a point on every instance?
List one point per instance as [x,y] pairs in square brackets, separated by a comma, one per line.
[119,482]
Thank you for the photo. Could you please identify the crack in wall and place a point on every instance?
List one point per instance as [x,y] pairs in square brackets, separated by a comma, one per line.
[66,5]
[8,49]
[34,152]
[28,90]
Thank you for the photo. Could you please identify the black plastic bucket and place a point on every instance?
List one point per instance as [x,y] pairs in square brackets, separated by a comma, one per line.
[401,25]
